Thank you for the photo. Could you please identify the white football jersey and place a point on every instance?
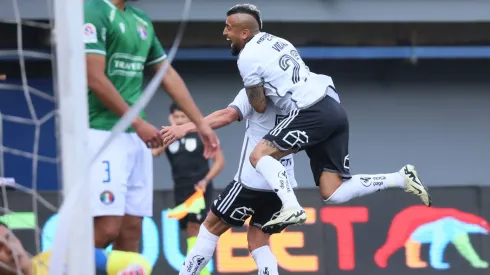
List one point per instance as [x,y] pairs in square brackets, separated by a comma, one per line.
[258,125]
[274,63]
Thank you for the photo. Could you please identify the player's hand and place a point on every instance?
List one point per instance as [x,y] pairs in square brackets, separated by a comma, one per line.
[171,134]
[148,134]
[201,185]
[209,139]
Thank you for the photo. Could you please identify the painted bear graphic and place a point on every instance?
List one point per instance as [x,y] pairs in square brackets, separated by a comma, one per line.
[438,227]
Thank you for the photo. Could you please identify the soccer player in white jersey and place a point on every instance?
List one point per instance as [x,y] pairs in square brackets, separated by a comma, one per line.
[248,195]
[272,68]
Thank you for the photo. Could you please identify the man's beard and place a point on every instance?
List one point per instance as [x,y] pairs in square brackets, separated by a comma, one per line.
[235,50]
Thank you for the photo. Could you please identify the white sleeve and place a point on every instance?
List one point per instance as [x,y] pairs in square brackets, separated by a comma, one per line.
[241,105]
[250,70]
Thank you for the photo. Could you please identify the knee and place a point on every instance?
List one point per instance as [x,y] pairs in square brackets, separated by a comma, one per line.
[329,183]
[106,236]
[326,193]
[130,235]
[251,247]
[215,225]
[105,232]
[127,241]
[255,156]
[267,148]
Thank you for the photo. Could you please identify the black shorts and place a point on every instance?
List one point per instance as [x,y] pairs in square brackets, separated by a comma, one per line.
[182,191]
[322,130]
[237,203]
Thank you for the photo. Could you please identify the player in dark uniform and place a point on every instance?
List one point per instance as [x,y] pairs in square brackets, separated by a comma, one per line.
[190,171]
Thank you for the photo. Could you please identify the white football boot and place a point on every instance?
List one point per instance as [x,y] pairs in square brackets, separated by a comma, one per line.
[285,218]
[414,185]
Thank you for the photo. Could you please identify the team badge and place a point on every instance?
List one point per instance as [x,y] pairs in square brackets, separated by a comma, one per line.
[174,147]
[142,32]
[107,197]
[89,33]
[190,144]
[89,29]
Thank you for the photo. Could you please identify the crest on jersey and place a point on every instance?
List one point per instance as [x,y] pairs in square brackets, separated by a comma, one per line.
[142,32]
[174,147]
[107,197]
[89,33]
[190,144]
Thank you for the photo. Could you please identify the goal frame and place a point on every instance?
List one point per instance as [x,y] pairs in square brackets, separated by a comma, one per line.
[75,242]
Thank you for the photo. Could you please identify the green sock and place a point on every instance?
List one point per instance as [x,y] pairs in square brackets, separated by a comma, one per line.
[191,241]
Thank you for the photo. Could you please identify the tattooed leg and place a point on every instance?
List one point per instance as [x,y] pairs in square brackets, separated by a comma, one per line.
[268,148]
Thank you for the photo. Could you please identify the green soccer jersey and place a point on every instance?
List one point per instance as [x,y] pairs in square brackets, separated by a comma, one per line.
[128,41]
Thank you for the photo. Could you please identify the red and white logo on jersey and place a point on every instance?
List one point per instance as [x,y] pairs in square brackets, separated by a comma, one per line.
[89,33]
[89,29]
[142,31]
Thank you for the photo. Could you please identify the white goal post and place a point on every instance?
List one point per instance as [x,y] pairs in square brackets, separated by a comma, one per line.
[75,215]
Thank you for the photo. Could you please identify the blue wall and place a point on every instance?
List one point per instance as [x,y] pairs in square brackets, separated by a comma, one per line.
[20,136]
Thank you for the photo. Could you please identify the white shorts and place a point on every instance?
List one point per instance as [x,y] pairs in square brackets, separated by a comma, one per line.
[122,176]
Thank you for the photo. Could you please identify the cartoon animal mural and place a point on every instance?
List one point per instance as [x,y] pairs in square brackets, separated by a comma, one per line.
[418,225]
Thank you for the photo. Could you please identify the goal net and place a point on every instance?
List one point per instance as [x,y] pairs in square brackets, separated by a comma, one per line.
[44,164]
[43,128]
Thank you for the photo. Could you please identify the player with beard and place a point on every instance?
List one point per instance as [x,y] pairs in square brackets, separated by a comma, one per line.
[271,68]
[120,42]
[248,195]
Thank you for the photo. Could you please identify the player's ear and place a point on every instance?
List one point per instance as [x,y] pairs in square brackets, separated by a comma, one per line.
[245,34]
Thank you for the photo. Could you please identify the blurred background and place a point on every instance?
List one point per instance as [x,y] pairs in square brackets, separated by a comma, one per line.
[414,79]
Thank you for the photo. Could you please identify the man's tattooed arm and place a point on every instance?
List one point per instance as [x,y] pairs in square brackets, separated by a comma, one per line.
[256,98]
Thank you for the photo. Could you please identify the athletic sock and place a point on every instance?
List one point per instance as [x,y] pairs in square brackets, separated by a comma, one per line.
[275,174]
[265,260]
[361,185]
[202,252]
[191,241]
